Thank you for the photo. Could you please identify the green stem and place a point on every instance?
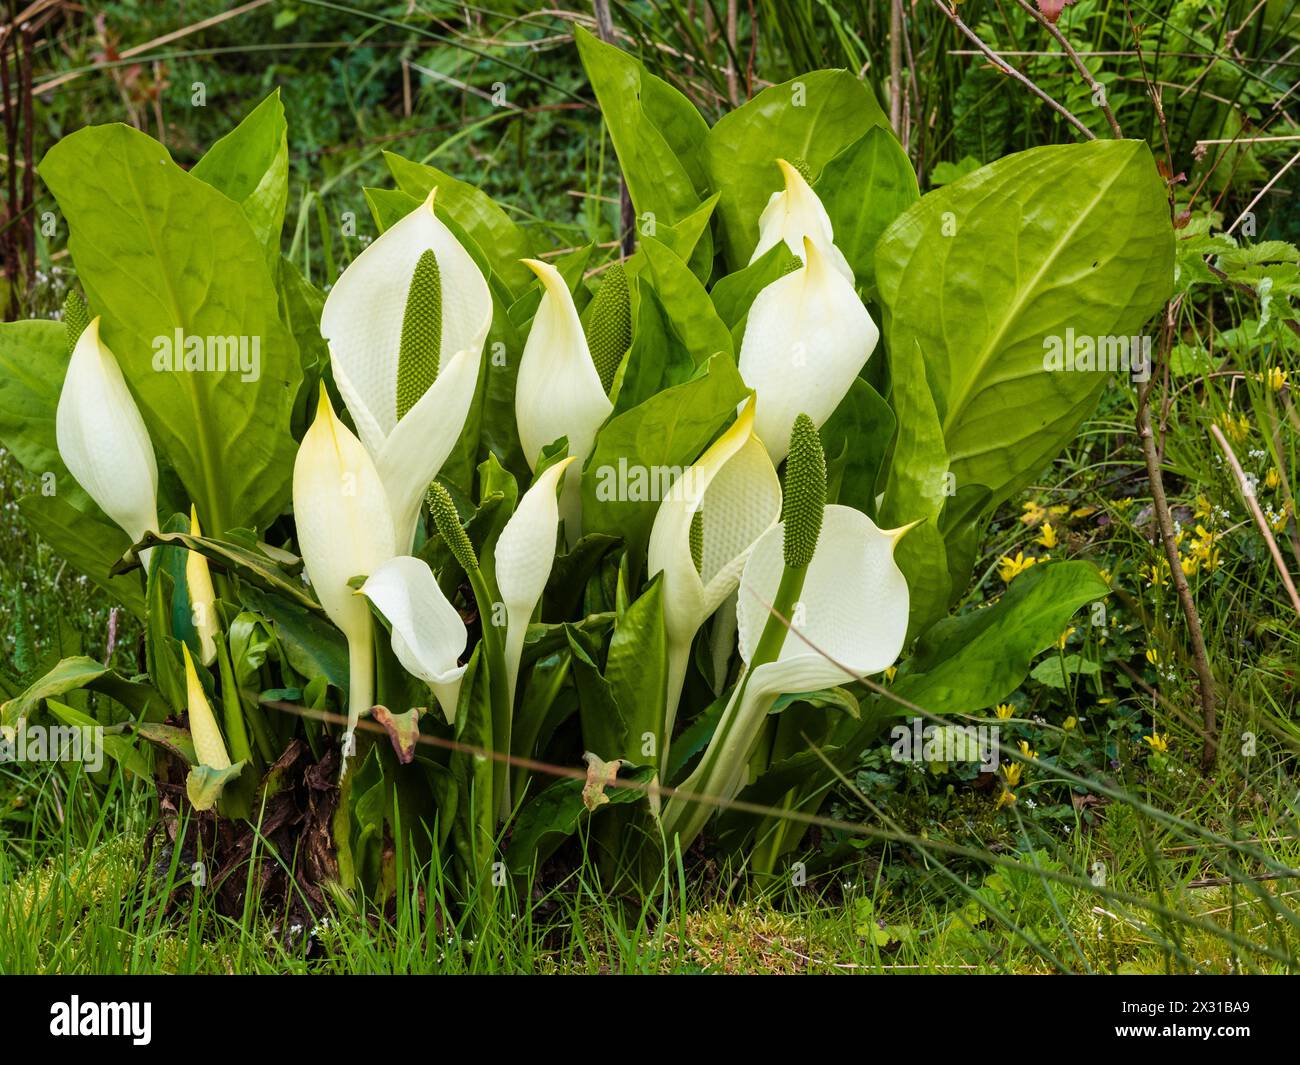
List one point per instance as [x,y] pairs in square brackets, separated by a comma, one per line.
[499,687]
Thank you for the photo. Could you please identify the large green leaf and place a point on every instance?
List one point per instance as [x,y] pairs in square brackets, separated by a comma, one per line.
[636,668]
[985,272]
[504,242]
[33,362]
[864,189]
[657,133]
[856,439]
[250,164]
[158,250]
[74,674]
[969,662]
[811,118]
[916,490]
[254,564]
[635,451]
[690,312]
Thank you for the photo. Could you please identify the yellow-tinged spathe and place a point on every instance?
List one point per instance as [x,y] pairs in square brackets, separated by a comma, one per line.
[344,530]
[203,599]
[558,391]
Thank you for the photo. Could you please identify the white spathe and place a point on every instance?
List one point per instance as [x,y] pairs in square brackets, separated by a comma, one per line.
[558,391]
[523,556]
[734,486]
[203,598]
[796,213]
[344,531]
[428,633]
[102,438]
[362,321]
[850,622]
[807,337]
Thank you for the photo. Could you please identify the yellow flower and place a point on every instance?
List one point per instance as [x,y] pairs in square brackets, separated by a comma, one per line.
[1204,508]
[1034,512]
[1272,479]
[1012,773]
[1187,563]
[1237,429]
[1123,504]
[1278,524]
[1157,572]
[1153,656]
[1276,378]
[1048,536]
[890,673]
[1007,798]
[1060,643]
[1058,510]
[1026,752]
[1105,574]
[1009,568]
[1070,723]
[1083,512]
[1004,711]
[1157,742]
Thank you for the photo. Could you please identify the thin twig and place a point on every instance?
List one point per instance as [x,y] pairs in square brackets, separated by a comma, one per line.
[1248,494]
[1098,90]
[1165,520]
[627,213]
[1011,71]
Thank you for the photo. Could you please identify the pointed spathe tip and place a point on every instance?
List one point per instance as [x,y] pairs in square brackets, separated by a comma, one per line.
[895,535]
[428,200]
[194,521]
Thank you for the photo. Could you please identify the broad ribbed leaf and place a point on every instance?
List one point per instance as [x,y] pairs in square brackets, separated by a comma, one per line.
[159,250]
[967,663]
[657,133]
[985,272]
[864,189]
[250,164]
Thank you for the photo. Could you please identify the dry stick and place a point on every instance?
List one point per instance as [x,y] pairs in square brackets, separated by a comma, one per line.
[1263,192]
[166,38]
[1008,69]
[1248,494]
[896,68]
[733,82]
[1166,522]
[1098,90]
[626,213]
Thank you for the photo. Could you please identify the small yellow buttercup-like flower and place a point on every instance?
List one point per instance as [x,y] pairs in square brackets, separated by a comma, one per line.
[1027,752]
[1048,535]
[1157,741]
[1009,568]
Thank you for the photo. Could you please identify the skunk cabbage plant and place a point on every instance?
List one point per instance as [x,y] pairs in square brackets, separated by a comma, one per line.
[643,531]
